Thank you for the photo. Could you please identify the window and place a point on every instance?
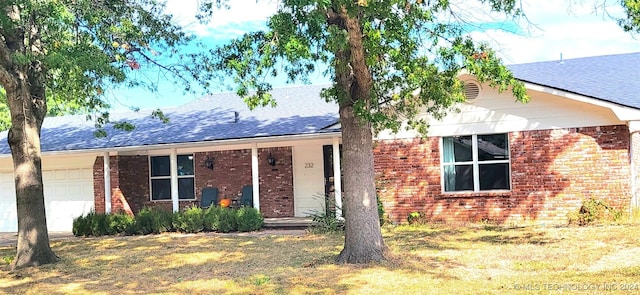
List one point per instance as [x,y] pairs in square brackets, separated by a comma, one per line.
[476,163]
[161,178]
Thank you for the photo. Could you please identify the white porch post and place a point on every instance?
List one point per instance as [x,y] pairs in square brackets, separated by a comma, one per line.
[337,176]
[107,183]
[173,165]
[255,180]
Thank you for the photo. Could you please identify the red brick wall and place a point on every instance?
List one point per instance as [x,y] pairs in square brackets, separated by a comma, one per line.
[552,172]
[276,182]
[232,171]
[129,183]
[134,183]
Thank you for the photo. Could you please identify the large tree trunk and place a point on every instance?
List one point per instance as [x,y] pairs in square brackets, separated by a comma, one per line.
[24,85]
[363,239]
[27,113]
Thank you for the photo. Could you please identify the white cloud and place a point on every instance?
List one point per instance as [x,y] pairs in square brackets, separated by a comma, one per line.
[560,28]
[224,22]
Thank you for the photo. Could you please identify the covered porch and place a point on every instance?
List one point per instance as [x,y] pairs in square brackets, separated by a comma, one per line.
[287,176]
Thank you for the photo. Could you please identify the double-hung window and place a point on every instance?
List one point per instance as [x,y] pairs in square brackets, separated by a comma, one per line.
[161,178]
[476,163]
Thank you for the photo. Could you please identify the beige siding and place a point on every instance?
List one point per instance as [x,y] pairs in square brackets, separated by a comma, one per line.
[499,112]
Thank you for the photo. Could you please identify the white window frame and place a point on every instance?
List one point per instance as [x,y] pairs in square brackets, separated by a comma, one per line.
[476,165]
[151,178]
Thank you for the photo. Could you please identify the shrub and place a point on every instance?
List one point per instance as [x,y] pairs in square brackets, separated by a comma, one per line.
[95,224]
[325,221]
[228,220]
[155,221]
[120,223]
[417,218]
[594,210]
[211,218]
[381,213]
[82,225]
[249,219]
[190,220]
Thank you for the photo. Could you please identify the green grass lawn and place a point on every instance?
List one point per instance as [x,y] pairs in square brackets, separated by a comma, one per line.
[477,259]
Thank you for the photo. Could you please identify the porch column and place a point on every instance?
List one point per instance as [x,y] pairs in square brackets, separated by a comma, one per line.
[107,182]
[255,180]
[337,176]
[173,165]
[634,157]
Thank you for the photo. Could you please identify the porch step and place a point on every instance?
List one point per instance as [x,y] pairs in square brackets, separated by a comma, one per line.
[288,222]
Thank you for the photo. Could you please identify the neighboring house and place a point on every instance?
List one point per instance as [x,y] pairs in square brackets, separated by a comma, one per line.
[495,159]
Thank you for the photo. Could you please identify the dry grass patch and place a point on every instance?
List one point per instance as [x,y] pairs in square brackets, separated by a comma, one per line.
[423,260]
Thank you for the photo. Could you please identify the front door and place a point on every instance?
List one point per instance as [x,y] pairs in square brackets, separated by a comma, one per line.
[308,183]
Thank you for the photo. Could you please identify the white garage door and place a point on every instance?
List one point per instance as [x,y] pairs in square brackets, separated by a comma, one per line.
[8,219]
[68,193]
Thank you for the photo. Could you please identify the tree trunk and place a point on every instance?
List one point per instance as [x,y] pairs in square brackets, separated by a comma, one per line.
[363,240]
[27,113]
[24,86]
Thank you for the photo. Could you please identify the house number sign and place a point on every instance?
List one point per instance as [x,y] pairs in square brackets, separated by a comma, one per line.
[308,165]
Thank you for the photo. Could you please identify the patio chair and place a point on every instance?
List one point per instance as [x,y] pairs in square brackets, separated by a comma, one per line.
[209,197]
[246,199]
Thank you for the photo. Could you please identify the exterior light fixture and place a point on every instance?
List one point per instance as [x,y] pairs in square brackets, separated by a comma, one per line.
[271,160]
[208,163]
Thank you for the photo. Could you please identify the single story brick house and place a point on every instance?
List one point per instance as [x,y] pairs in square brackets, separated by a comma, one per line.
[495,159]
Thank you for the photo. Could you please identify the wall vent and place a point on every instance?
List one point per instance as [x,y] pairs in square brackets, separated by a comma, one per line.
[471,91]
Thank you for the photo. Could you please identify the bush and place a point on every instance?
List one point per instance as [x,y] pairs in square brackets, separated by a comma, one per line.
[82,225]
[593,211]
[211,218]
[153,221]
[417,218]
[325,221]
[120,223]
[190,220]
[249,219]
[94,224]
[381,213]
[228,220]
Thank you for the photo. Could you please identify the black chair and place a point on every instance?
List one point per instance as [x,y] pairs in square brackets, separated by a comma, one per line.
[209,197]
[246,199]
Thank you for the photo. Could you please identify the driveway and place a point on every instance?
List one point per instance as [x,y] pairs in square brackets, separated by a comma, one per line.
[10,239]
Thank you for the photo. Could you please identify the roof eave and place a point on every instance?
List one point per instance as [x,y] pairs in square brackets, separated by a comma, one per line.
[261,141]
[624,113]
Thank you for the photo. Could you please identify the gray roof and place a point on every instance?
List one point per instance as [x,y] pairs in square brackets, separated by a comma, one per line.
[300,110]
[612,78]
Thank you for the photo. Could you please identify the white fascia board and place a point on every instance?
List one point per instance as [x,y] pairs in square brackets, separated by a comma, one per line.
[622,112]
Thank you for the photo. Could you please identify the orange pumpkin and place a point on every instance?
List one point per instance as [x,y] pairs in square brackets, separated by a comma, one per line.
[225,202]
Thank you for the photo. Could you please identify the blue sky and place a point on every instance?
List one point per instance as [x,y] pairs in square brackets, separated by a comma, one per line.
[554,28]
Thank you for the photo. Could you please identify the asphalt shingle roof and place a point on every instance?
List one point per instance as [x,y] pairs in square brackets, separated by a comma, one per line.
[612,78]
[300,110]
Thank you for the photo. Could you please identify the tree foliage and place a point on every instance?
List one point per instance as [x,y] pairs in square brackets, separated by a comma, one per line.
[391,62]
[69,52]
[413,57]
[631,23]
